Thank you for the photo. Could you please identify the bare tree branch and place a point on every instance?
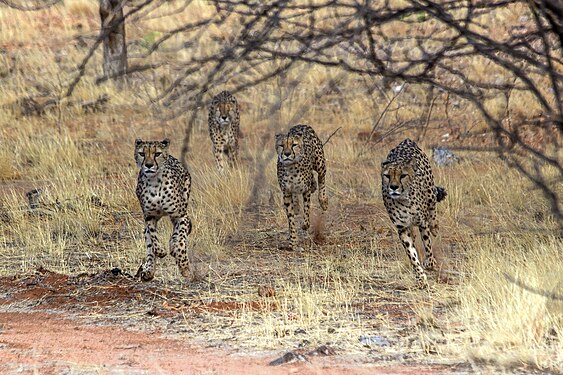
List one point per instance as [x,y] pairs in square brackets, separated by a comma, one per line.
[30,5]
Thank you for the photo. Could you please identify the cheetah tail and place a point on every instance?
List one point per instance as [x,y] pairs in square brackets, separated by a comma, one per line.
[440,193]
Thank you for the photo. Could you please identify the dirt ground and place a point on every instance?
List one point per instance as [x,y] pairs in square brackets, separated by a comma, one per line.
[47,343]
[55,324]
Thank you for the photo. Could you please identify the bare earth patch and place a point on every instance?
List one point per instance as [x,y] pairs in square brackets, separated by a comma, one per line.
[54,323]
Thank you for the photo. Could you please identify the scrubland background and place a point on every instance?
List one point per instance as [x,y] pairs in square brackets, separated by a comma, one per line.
[499,248]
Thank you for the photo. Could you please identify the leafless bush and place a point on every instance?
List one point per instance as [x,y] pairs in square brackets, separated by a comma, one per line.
[447,48]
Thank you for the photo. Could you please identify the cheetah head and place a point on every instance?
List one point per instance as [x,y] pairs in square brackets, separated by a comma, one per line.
[224,112]
[289,148]
[149,155]
[396,178]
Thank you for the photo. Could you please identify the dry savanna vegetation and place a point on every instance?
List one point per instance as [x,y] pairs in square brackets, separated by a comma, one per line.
[495,302]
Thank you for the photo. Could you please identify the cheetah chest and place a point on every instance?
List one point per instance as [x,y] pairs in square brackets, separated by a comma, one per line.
[158,198]
[401,211]
[223,133]
[296,181]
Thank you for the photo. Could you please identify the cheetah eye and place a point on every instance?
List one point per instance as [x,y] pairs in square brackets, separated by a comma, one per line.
[157,154]
[386,176]
[403,175]
[142,154]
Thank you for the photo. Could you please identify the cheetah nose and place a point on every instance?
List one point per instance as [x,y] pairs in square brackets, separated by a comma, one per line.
[393,187]
[224,118]
[287,153]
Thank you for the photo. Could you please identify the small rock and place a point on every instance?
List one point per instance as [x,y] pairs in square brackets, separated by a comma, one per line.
[153,312]
[304,343]
[368,341]
[444,157]
[33,198]
[323,350]
[266,291]
[116,271]
[288,357]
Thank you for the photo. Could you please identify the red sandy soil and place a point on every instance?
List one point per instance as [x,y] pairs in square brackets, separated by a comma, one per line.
[49,344]
[41,332]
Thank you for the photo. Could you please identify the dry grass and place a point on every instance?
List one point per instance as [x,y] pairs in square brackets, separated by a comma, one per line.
[357,283]
[512,325]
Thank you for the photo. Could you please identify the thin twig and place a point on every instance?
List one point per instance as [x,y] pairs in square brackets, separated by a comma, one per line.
[425,126]
[40,5]
[330,136]
[384,112]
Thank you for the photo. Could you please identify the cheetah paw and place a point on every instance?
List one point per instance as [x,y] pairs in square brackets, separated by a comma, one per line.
[422,282]
[143,274]
[429,264]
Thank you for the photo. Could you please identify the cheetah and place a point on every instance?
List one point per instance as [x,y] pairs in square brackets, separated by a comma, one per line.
[300,152]
[224,123]
[163,189]
[410,197]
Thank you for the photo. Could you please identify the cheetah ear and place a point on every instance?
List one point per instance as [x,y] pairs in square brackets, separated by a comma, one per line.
[385,163]
[138,141]
[165,142]
[279,137]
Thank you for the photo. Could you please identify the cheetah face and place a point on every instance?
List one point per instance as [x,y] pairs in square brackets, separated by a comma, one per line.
[396,179]
[224,113]
[149,155]
[289,148]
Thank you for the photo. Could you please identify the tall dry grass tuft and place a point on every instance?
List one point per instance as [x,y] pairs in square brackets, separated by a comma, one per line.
[8,170]
[218,203]
[506,323]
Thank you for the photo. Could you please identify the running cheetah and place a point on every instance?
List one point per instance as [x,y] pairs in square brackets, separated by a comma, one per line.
[300,152]
[224,123]
[163,189]
[410,197]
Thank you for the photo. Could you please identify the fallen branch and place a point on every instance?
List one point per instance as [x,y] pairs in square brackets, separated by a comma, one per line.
[37,106]
[550,295]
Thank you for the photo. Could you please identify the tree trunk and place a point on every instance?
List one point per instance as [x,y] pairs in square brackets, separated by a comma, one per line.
[115,47]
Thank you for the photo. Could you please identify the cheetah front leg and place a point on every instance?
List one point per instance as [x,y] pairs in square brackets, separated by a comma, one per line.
[220,156]
[233,154]
[154,248]
[429,260]
[289,204]
[408,243]
[179,243]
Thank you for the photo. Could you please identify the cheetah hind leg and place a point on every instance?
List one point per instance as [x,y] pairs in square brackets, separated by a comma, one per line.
[306,210]
[323,199]
[179,244]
